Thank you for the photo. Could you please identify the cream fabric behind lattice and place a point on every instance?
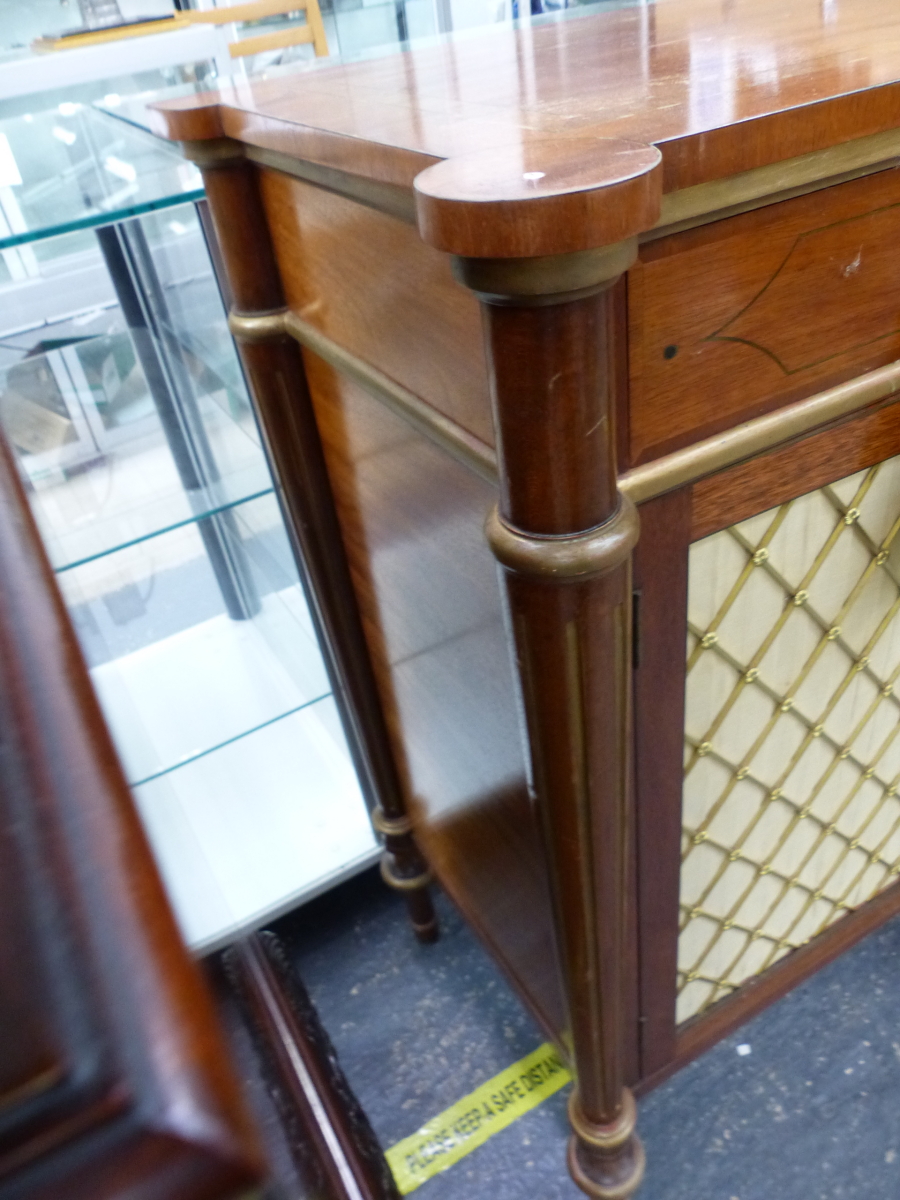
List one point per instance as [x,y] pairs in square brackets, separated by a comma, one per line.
[792,756]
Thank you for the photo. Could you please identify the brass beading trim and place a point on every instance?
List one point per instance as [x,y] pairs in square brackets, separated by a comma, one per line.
[546,279]
[775,182]
[451,437]
[444,432]
[214,152]
[403,883]
[754,437]
[604,1137]
[571,557]
[388,198]
[259,326]
[390,826]
[640,484]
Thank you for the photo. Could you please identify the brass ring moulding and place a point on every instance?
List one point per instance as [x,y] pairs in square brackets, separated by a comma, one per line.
[545,279]
[568,558]
[606,1139]
[258,326]
[390,826]
[403,883]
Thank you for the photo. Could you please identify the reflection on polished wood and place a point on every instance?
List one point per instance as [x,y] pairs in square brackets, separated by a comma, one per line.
[420,327]
[626,73]
[735,161]
[411,521]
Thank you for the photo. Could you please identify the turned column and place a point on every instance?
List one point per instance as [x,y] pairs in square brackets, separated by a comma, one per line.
[524,227]
[273,364]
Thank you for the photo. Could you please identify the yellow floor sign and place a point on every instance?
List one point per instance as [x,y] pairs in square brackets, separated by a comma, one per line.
[469,1123]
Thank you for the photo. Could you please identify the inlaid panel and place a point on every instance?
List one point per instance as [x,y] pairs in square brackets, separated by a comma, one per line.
[790,813]
[750,313]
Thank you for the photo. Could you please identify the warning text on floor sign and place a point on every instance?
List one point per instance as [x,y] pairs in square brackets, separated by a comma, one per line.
[469,1123]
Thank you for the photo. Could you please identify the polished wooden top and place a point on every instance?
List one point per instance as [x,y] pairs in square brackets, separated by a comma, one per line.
[797,76]
[539,198]
[672,73]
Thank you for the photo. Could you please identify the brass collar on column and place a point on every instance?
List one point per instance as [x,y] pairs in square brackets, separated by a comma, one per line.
[574,556]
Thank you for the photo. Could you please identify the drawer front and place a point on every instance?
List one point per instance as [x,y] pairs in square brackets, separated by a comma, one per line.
[746,314]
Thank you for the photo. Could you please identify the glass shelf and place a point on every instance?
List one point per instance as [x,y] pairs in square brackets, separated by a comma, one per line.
[122,395]
[76,403]
[237,831]
[152,616]
[76,168]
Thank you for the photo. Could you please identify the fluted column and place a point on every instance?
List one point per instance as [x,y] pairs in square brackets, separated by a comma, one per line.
[541,235]
[273,364]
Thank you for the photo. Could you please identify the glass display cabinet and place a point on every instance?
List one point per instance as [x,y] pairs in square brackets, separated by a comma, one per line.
[122,396]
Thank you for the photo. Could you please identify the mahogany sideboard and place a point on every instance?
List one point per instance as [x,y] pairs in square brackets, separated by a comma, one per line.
[575,346]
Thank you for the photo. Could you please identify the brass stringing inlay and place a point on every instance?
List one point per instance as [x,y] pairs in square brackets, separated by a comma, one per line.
[790,814]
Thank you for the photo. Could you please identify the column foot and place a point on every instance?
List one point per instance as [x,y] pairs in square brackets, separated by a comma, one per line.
[606,1161]
[404,869]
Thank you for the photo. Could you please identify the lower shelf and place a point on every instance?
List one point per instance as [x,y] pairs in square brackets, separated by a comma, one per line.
[257,825]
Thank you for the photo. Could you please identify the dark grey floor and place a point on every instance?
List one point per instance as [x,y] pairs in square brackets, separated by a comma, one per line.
[811,1113]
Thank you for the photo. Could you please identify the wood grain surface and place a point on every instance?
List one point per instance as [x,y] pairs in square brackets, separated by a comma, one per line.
[277,383]
[411,521]
[771,479]
[369,282]
[724,322]
[630,72]
[540,198]
[743,315]
[660,581]
[553,373]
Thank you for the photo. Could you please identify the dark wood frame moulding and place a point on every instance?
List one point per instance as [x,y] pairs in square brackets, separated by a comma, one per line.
[328,1133]
[660,569]
[115,1076]
[699,1034]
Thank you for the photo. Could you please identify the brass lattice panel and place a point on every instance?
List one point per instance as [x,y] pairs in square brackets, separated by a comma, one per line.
[790,814]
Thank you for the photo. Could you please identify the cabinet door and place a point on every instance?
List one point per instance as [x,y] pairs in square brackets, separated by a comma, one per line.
[780,825]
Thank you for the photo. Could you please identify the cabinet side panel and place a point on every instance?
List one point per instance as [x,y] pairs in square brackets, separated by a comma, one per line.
[369,282]
[412,520]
